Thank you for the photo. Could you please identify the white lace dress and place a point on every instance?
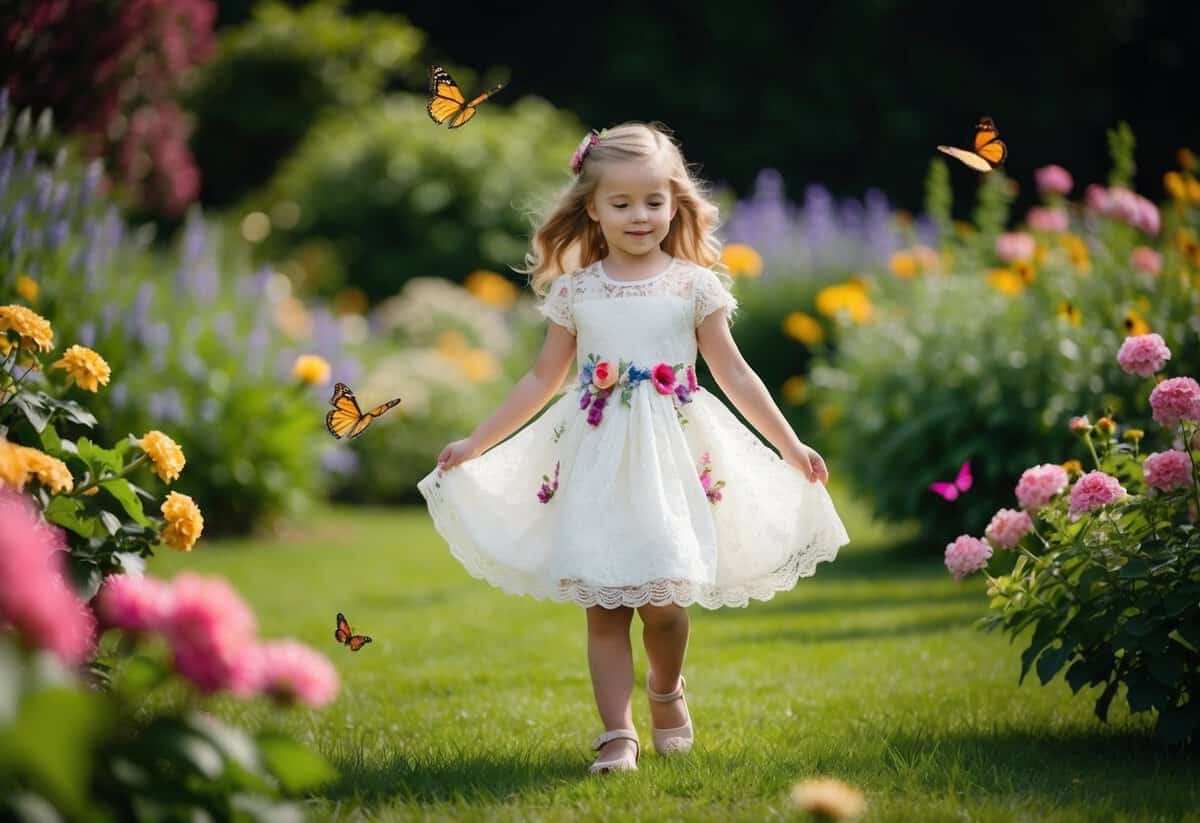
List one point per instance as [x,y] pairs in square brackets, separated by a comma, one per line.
[606,497]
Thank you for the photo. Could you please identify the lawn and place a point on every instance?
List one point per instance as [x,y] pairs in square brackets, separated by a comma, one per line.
[475,704]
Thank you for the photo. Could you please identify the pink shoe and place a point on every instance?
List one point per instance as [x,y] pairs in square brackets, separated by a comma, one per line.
[679,739]
[620,764]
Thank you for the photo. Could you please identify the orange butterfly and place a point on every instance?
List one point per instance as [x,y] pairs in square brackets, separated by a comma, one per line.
[347,637]
[346,416]
[990,150]
[446,100]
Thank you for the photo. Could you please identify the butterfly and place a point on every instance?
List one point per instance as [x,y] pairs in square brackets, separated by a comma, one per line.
[951,491]
[989,152]
[346,416]
[446,100]
[347,637]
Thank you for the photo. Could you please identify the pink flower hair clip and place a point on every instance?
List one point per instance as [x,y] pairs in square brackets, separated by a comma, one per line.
[585,145]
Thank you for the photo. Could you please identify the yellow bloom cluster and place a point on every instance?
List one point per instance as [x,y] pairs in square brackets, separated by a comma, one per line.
[164,453]
[742,260]
[850,296]
[1005,281]
[83,366]
[33,329]
[18,463]
[184,522]
[27,288]
[311,369]
[477,365]
[803,327]
[491,287]
[1077,251]
[909,262]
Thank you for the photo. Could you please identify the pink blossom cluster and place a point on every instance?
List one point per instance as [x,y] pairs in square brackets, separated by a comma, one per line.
[1168,470]
[1047,219]
[1038,485]
[34,595]
[1143,354]
[1125,205]
[1093,491]
[1146,260]
[212,634]
[1175,399]
[1053,180]
[1007,527]
[1012,246]
[965,555]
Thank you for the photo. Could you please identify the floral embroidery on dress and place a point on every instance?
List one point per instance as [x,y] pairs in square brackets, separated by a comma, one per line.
[598,379]
[711,489]
[548,488]
[558,431]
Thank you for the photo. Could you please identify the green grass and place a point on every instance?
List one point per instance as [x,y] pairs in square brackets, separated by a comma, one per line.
[475,704]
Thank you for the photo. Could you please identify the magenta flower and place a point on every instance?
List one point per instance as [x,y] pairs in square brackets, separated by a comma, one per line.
[548,488]
[1038,485]
[1143,354]
[691,380]
[1146,259]
[1046,219]
[1092,491]
[663,378]
[1168,470]
[1007,527]
[1053,180]
[292,672]
[1014,245]
[135,604]
[211,632]
[965,555]
[1175,399]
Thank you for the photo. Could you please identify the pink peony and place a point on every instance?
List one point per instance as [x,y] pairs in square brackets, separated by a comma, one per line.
[1143,354]
[291,671]
[604,375]
[1125,205]
[1093,490]
[663,378]
[1168,470]
[1146,259]
[1007,528]
[1043,218]
[1175,399]
[1053,180]
[34,595]
[1014,245]
[966,555]
[1039,484]
[136,604]
[211,630]
[1097,198]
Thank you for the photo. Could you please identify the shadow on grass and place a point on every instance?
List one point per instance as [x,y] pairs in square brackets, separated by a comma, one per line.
[807,635]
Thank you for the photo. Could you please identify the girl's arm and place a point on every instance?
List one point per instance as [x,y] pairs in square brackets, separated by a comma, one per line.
[748,393]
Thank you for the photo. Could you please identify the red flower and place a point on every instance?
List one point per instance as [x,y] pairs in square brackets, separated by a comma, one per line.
[663,378]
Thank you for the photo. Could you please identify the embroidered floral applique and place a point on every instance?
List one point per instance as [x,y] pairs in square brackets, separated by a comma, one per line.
[558,431]
[711,489]
[548,488]
[598,380]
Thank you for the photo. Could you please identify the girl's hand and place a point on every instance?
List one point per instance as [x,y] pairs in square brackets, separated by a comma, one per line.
[808,461]
[456,453]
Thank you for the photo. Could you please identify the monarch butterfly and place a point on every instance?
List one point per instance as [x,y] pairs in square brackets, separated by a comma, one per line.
[990,150]
[345,416]
[961,484]
[446,100]
[344,635]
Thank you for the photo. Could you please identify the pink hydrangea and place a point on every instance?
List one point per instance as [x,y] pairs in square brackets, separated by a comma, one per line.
[34,595]
[1168,470]
[1175,399]
[966,554]
[1007,527]
[1146,259]
[211,632]
[1015,245]
[1053,180]
[1038,485]
[291,671]
[132,603]
[1143,354]
[1050,220]
[1093,490]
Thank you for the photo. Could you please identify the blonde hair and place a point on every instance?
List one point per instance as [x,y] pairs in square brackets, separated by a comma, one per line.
[568,239]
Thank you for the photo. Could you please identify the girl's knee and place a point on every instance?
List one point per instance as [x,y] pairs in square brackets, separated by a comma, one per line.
[663,617]
[602,619]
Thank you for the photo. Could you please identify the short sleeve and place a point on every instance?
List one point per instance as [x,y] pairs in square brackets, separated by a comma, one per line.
[710,294]
[557,304]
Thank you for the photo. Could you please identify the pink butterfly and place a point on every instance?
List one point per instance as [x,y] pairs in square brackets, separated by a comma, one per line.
[951,491]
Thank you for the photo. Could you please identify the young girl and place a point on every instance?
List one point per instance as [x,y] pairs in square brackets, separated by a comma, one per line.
[637,488]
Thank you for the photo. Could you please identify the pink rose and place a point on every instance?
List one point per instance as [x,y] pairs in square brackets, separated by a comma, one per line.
[1175,399]
[1168,470]
[135,604]
[1039,484]
[663,378]
[1097,198]
[292,672]
[1146,259]
[966,555]
[1143,354]
[1046,219]
[1014,245]
[604,375]
[1092,491]
[212,634]
[1007,527]
[1053,180]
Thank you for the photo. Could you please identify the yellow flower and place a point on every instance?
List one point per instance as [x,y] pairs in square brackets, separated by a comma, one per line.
[795,390]
[1134,434]
[164,454]
[1186,159]
[829,798]
[184,522]
[27,287]
[1026,271]
[84,367]
[452,344]
[491,287]
[1106,425]
[741,259]
[14,473]
[311,369]
[1077,250]
[1193,190]
[850,297]
[1072,466]
[828,415]
[478,365]
[903,264]
[1005,281]
[50,471]
[1039,253]
[1070,312]
[1135,325]
[928,259]
[33,329]
[803,327]
[1174,185]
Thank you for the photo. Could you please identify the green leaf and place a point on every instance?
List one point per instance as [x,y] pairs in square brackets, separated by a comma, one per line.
[67,512]
[110,521]
[98,457]
[1144,695]
[140,674]
[1181,599]
[1042,636]
[170,737]
[51,443]
[1135,568]
[33,408]
[1166,669]
[122,491]
[76,413]
[1052,660]
[297,767]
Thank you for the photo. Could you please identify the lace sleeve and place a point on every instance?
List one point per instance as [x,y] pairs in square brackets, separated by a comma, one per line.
[710,294]
[557,305]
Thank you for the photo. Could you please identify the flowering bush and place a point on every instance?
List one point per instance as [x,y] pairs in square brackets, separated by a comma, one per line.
[1108,570]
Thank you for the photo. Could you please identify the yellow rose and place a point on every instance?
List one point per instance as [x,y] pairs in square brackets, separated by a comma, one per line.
[478,365]
[164,453]
[14,473]
[83,366]
[311,369]
[27,287]
[50,471]
[803,327]
[903,264]
[1005,281]
[795,390]
[184,522]
[34,330]
[491,287]
[741,259]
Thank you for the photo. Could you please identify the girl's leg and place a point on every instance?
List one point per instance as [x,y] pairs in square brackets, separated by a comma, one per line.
[665,632]
[610,658]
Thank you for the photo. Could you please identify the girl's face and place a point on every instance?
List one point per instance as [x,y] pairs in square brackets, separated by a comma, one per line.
[633,205]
